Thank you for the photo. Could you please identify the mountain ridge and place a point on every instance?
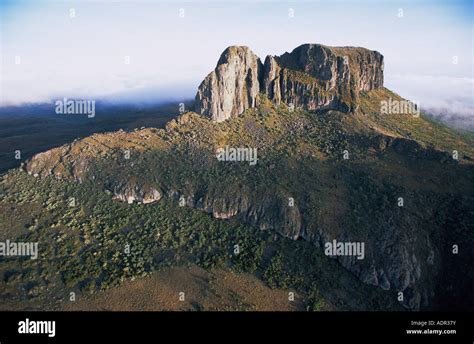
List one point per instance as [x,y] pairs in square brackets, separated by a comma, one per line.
[301,156]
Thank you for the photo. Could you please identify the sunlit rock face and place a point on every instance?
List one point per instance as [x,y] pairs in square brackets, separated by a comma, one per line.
[311,77]
[232,87]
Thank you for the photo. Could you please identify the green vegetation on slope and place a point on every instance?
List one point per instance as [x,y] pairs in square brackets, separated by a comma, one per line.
[82,248]
[301,157]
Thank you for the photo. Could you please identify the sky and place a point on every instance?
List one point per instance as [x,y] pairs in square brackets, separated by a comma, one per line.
[150,51]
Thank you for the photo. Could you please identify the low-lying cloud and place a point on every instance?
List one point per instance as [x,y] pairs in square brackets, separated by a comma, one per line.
[449,99]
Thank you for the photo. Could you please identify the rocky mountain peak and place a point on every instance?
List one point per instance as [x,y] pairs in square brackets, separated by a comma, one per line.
[313,59]
[311,77]
[232,87]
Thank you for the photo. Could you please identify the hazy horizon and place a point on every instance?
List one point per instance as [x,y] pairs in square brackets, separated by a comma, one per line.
[80,49]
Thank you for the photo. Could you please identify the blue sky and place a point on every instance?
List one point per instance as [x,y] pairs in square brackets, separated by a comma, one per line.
[169,55]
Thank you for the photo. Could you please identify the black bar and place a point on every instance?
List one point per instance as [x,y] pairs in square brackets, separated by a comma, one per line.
[168,327]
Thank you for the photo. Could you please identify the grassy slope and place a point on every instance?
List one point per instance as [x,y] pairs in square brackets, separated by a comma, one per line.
[422,129]
[33,133]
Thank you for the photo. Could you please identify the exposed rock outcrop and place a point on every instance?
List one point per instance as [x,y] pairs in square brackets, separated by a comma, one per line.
[271,79]
[136,193]
[232,87]
[311,77]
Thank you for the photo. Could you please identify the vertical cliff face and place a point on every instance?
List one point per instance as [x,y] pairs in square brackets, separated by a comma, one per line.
[366,67]
[312,76]
[232,87]
[271,79]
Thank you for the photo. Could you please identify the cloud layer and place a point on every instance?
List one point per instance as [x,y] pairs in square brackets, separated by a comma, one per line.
[157,51]
[451,99]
